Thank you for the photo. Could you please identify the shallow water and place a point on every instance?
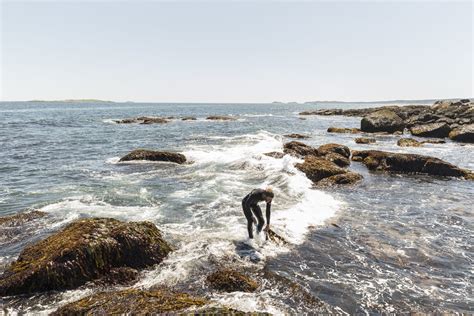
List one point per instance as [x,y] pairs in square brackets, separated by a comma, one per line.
[402,243]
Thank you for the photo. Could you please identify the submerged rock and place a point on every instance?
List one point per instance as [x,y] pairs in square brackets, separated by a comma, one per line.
[365,140]
[275,154]
[298,136]
[463,133]
[408,163]
[431,130]
[231,281]
[382,121]
[152,155]
[344,130]
[85,250]
[220,118]
[21,218]
[409,142]
[299,149]
[131,301]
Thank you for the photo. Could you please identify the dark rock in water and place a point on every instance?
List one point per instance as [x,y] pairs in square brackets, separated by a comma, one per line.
[317,168]
[221,118]
[189,118]
[151,155]
[341,179]
[464,100]
[298,136]
[434,141]
[231,281]
[85,250]
[463,133]
[409,163]
[364,140]
[382,121]
[343,130]
[431,130]
[21,218]
[210,311]
[130,302]
[118,276]
[339,160]
[275,154]
[334,148]
[276,238]
[154,120]
[299,149]
[409,142]
[143,120]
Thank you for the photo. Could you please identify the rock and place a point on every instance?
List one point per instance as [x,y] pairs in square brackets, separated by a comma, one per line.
[343,130]
[21,218]
[334,148]
[408,163]
[431,130]
[409,142]
[85,250]
[131,301]
[118,276]
[339,179]
[154,120]
[382,121]
[298,136]
[317,168]
[151,155]
[299,149]
[220,118]
[464,100]
[365,140]
[339,160]
[142,120]
[463,133]
[275,154]
[189,118]
[434,141]
[231,281]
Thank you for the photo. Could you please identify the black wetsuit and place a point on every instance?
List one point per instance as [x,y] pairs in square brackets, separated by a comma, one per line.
[250,204]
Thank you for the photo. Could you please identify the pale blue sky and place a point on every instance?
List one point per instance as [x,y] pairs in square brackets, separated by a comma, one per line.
[236,51]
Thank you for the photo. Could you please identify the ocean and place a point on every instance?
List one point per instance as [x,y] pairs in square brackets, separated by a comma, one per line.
[392,243]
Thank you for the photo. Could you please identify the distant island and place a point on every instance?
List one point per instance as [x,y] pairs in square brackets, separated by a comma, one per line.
[76,100]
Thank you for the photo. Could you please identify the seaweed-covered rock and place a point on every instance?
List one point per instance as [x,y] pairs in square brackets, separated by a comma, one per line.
[152,155]
[275,154]
[211,311]
[299,149]
[409,142]
[431,130]
[220,118]
[343,130]
[154,120]
[297,136]
[339,160]
[231,281]
[409,163]
[382,121]
[131,301]
[365,140]
[341,179]
[317,168]
[21,218]
[334,148]
[464,133]
[83,251]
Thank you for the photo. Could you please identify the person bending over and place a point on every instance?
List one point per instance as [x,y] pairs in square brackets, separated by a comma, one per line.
[250,205]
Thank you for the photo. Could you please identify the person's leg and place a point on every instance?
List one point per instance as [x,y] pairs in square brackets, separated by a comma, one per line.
[258,213]
[249,217]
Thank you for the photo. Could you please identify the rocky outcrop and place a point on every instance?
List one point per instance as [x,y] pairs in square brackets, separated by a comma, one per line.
[463,133]
[21,218]
[339,160]
[317,168]
[365,140]
[343,130]
[334,148]
[143,120]
[152,155]
[341,179]
[85,250]
[409,142]
[189,118]
[227,280]
[275,154]
[297,136]
[299,149]
[382,121]
[220,118]
[409,163]
[131,301]
[431,130]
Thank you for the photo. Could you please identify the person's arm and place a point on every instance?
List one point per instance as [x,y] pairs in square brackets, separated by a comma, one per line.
[267,213]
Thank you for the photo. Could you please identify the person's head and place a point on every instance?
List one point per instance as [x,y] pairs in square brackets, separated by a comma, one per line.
[268,195]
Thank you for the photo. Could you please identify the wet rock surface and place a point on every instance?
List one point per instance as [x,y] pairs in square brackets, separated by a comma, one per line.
[382,121]
[275,154]
[409,142]
[317,168]
[85,250]
[343,130]
[409,163]
[228,280]
[297,136]
[152,155]
[463,133]
[440,130]
[221,118]
[143,120]
[299,149]
[21,218]
[365,140]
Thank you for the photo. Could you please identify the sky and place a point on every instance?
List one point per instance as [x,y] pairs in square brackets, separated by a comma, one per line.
[252,51]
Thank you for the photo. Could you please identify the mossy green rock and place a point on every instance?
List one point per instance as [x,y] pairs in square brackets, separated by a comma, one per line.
[85,250]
